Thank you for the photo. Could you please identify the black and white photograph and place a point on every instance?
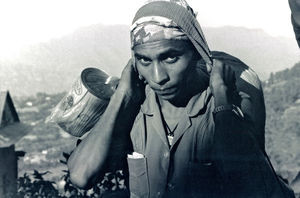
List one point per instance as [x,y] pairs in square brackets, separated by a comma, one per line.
[150,99]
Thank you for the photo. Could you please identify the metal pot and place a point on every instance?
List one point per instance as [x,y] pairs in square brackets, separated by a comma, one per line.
[84,104]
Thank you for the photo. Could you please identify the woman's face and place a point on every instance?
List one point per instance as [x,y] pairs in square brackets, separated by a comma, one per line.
[167,66]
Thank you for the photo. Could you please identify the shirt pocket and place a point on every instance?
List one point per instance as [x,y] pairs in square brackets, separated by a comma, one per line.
[203,179]
[138,177]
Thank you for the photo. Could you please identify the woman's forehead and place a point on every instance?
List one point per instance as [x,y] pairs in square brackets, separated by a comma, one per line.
[163,46]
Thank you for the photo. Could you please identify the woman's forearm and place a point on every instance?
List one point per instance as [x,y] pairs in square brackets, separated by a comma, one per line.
[89,158]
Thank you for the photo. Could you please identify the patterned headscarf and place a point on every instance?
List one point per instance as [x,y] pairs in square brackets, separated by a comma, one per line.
[171,20]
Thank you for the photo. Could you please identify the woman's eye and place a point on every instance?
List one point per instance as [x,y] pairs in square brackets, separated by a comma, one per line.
[144,61]
[171,59]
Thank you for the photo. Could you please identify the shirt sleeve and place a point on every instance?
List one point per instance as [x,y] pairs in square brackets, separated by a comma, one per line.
[241,162]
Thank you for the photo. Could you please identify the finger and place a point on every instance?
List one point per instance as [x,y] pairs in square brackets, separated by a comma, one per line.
[208,68]
[227,75]
[127,68]
[217,63]
[218,66]
[234,81]
[230,77]
[129,65]
[132,70]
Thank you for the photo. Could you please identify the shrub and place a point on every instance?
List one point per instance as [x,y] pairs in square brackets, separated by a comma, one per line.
[36,186]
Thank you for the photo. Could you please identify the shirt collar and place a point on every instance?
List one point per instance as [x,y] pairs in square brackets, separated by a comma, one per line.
[150,102]
[196,104]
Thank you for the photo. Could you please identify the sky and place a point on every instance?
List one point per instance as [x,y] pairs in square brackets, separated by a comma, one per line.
[23,23]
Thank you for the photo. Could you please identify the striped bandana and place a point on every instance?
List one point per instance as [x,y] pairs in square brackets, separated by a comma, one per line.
[168,19]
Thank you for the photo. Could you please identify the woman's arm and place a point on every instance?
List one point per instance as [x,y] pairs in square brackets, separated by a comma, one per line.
[240,160]
[89,158]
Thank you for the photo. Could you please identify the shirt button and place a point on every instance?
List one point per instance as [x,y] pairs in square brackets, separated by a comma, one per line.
[166,154]
[158,194]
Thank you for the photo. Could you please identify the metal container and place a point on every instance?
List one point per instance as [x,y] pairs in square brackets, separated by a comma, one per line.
[84,104]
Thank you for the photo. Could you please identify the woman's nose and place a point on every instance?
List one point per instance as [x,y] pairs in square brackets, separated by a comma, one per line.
[160,75]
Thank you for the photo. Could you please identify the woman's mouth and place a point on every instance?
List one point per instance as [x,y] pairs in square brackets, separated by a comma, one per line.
[165,91]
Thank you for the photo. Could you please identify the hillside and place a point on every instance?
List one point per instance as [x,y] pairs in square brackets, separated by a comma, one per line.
[53,66]
[282,97]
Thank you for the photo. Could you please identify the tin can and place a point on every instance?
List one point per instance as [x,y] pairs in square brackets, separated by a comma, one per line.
[83,105]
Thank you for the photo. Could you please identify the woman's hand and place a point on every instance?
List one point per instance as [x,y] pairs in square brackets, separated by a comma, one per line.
[131,85]
[222,82]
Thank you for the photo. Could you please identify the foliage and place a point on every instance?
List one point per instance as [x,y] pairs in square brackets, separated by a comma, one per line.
[36,186]
[286,74]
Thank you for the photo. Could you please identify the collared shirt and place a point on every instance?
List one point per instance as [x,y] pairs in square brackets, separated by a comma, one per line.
[184,167]
[210,156]
[221,156]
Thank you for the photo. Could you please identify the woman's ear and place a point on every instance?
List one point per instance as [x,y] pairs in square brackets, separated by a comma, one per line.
[136,69]
[140,76]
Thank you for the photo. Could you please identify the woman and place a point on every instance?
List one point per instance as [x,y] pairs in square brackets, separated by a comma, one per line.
[184,125]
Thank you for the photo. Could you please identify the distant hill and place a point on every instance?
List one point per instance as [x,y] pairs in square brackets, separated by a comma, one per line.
[53,66]
[264,53]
